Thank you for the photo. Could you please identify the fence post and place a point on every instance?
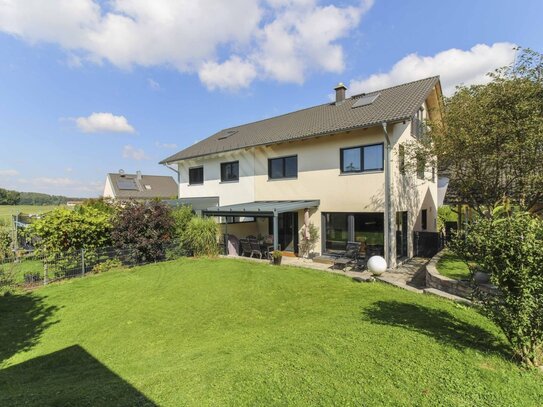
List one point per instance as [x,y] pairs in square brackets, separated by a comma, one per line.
[45,273]
[82,261]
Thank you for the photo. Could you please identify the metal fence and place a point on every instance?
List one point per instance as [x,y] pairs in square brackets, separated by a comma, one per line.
[42,268]
[427,244]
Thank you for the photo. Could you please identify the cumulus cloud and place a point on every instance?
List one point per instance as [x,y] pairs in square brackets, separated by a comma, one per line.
[231,74]
[455,66]
[9,173]
[133,153]
[104,123]
[279,39]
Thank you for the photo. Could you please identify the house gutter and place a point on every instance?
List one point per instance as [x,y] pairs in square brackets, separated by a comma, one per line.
[389,256]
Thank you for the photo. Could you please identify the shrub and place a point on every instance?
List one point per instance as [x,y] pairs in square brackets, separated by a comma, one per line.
[7,280]
[5,244]
[146,228]
[181,218]
[201,237]
[307,245]
[509,249]
[65,231]
[107,265]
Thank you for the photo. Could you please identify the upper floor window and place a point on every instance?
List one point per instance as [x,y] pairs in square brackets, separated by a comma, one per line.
[360,159]
[421,166]
[196,176]
[230,171]
[283,167]
[401,158]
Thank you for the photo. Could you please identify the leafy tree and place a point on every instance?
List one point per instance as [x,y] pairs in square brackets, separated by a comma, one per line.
[201,237]
[9,197]
[490,138]
[508,246]
[144,227]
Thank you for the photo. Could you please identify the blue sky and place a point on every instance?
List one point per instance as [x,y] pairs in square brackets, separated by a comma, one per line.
[161,75]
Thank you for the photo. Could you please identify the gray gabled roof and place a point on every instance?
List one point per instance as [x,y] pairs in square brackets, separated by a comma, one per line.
[148,187]
[393,104]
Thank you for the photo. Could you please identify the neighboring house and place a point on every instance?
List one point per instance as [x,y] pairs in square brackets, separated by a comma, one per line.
[121,186]
[330,161]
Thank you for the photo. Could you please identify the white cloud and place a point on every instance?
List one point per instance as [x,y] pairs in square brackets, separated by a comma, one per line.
[232,74]
[9,173]
[104,123]
[133,153]
[455,66]
[279,39]
[153,85]
[169,146]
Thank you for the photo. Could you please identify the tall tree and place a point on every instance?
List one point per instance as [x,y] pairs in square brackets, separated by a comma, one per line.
[490,139]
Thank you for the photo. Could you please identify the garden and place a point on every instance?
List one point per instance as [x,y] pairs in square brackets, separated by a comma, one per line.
[203,331]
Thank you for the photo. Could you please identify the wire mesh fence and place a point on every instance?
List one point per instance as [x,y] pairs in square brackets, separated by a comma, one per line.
[36,268]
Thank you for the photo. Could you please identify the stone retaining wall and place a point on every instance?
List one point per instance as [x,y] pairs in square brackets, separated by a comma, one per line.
[449,285]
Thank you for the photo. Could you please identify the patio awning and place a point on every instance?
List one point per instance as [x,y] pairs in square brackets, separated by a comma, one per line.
[261,208]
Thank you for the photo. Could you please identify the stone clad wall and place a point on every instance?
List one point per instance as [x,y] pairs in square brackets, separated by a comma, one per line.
[449,285]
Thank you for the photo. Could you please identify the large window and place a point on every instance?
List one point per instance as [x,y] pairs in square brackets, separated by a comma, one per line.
[284,167]
[360,159]
[230,171]
[196,176]
[364,227]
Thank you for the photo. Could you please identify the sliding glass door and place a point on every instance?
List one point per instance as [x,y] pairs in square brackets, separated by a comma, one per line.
[364,227]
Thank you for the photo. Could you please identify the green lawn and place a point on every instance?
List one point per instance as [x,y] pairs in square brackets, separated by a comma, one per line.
[227,332]
[451,266]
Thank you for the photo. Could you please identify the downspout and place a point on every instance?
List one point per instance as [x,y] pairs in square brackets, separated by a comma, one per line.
[178,176]
[388,204]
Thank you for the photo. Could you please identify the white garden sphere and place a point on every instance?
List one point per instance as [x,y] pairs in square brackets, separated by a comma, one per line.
[377,265]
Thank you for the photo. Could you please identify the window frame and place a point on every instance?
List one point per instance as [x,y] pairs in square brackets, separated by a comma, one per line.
[362,169]
[223,165]
[284,167]
[196,168]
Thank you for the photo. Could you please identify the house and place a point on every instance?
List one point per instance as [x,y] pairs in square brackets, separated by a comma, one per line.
[340,165]
[121,186]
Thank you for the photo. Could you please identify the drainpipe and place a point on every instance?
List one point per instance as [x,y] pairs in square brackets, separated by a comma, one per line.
[388,200]
[167,165]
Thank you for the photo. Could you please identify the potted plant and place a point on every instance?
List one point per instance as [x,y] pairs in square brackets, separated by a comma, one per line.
[276,257]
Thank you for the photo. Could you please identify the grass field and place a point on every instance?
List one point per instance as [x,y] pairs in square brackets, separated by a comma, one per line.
[451,266]
[7,210]
[226,332]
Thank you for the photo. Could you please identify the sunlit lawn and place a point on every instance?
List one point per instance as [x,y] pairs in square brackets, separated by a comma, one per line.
[227,332]
[451,266]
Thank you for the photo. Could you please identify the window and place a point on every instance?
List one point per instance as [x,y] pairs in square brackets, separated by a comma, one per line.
[284,167]
[364,227]
[433,174]
[401,158]
[360,159]
[196,176]
[230,171]
[424,219]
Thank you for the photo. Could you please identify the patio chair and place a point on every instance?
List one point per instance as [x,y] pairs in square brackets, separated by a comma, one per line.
[351,256]
[247,249]
[255,247]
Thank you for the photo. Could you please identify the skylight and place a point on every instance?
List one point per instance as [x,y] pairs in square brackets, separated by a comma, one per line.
[366,100]
[227,134]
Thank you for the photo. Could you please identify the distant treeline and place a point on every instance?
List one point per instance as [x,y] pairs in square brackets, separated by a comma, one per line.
[8,197]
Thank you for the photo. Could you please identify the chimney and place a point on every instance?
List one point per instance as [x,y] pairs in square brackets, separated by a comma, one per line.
[138,175]
[340,92]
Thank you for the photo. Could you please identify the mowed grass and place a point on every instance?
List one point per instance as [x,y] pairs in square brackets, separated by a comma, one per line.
[6,211]
[451,266]
[231,332]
